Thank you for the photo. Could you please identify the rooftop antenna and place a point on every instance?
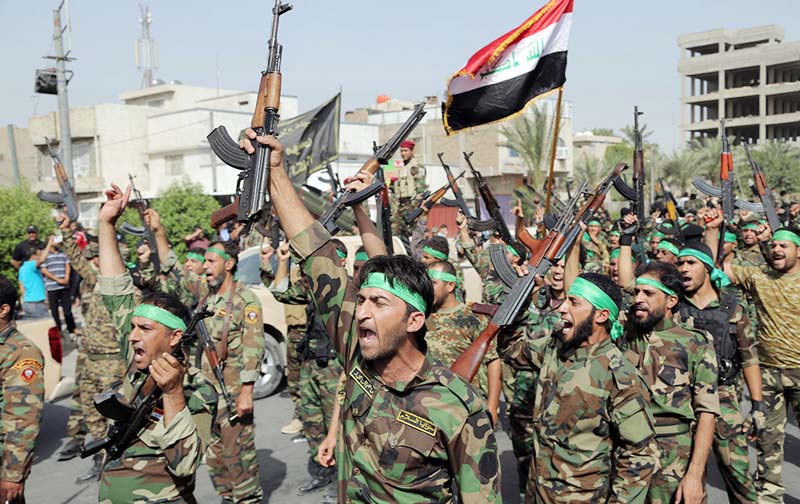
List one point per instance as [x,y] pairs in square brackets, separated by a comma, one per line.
[146,49]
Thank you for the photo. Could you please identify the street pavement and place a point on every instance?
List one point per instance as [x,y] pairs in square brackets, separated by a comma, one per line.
[283,463]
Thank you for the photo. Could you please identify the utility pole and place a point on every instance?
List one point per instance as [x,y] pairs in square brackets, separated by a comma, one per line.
[146,49]
[65,137]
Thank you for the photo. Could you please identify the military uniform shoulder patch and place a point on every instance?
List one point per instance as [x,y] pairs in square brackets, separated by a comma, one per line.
[251,314]
[363,381]
[417,422]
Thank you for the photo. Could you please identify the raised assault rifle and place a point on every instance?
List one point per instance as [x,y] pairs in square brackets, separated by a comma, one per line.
[252,189]
[373,164]
[144,231]
[428,201]
[499,224]
[558,241]
[66,198]
[130,418]
[764,193]
[635,194]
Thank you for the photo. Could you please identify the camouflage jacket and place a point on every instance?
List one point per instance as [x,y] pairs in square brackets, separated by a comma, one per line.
[246,344]
[99,334]
[592,426]
[752,256]
[160,465]
[679,367]
[21,403]
[399,442]
[493,287]
[450,333]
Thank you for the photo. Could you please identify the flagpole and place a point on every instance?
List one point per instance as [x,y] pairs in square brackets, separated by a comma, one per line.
[553,150]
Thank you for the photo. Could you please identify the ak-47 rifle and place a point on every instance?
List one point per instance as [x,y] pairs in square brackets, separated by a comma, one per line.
[373,164]
[635,194]
[763,191]
[213,360]
[252,188]
[499,224]
[144,231]
[459,202]
[66,198]
[332,180]
[671,205]
[550,250]
[427,203]
[382,199]
[130,418]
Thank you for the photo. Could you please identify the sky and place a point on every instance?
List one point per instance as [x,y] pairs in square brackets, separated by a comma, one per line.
[621,52]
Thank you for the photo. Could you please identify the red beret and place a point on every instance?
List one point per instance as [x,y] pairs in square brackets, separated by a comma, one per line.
[408,144]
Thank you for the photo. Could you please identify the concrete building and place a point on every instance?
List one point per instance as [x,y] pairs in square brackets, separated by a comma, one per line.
[751,77]
[586,143]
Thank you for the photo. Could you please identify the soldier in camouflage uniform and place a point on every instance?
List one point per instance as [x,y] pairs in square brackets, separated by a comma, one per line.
[409,186]
[319,368]
[21,399]
[103,367]
[160,464]
[452,327]
[596,250]
[412,430]
[593,437]
[679,368]
[438,249]
[543,313]
[706,307]
[775,293]
[236,330]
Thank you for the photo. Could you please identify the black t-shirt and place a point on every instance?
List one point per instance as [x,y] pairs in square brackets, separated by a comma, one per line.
[24,248]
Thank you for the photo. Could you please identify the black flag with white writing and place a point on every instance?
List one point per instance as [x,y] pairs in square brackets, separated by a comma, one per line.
[311,140]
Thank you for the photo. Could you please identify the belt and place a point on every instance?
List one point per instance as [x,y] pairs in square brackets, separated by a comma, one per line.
[103,356]
[671,429]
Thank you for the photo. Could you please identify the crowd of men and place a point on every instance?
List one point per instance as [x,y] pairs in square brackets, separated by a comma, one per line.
[624,373]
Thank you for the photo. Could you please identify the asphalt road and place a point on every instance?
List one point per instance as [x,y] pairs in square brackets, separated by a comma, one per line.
[283,463]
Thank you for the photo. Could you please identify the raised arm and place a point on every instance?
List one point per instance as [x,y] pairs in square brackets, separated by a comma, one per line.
[111,262]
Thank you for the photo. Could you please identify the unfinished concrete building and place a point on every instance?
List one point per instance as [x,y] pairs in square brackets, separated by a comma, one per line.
[751,77]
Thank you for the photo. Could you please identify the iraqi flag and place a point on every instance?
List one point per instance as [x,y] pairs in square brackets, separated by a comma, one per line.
[501,79]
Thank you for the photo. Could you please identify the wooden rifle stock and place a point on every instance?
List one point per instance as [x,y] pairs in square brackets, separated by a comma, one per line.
[225,214]
[484,309]
[468,363]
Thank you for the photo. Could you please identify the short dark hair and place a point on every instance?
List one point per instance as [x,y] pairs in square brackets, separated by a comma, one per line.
[230,248]
[667,274]
[673,241]
[197,250]
[341,247]
[605,284]
[443,266]
[439,244]
[410,272]
[170,303]
[8,295]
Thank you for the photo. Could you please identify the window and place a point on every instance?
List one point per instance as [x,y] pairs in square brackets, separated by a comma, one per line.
[512,152]
[561,149]
[82,159]
[174,164]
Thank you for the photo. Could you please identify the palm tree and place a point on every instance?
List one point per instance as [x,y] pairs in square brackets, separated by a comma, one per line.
[591,169]
[781,163]
[530,135]
[679,168]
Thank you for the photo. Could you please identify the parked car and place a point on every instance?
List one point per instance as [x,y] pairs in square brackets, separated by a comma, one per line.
[56,386]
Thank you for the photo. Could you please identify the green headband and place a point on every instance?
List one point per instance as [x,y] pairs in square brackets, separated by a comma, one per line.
[379,281]
[219,252]
[615,255]
[441,275]
[616,233]
[195,256]
[655,283]
[585,289]
[665,245]
[730,237]
[159,315]
[361,256]
[751,225]
[718,277]
[435,253]
[657,234]
[593,222]
[342,255]
[512,251]
[786,235]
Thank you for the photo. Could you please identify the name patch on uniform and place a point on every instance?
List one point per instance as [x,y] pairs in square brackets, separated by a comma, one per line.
[251,314]
[363,381]
[27,363]
[416,422]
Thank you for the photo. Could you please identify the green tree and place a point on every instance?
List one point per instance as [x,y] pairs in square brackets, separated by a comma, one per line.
[182,206]
[603,131]
[530,135]
[781,164]
[618,152]
[591,169]
[19,208]
[679,168]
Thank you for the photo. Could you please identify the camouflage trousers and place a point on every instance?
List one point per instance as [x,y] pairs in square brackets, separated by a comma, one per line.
[730,447]
[232,460]
[781,388]
[76,424]
[520,417]
[674,454]
[293,364]
[99,374]
[318,387]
